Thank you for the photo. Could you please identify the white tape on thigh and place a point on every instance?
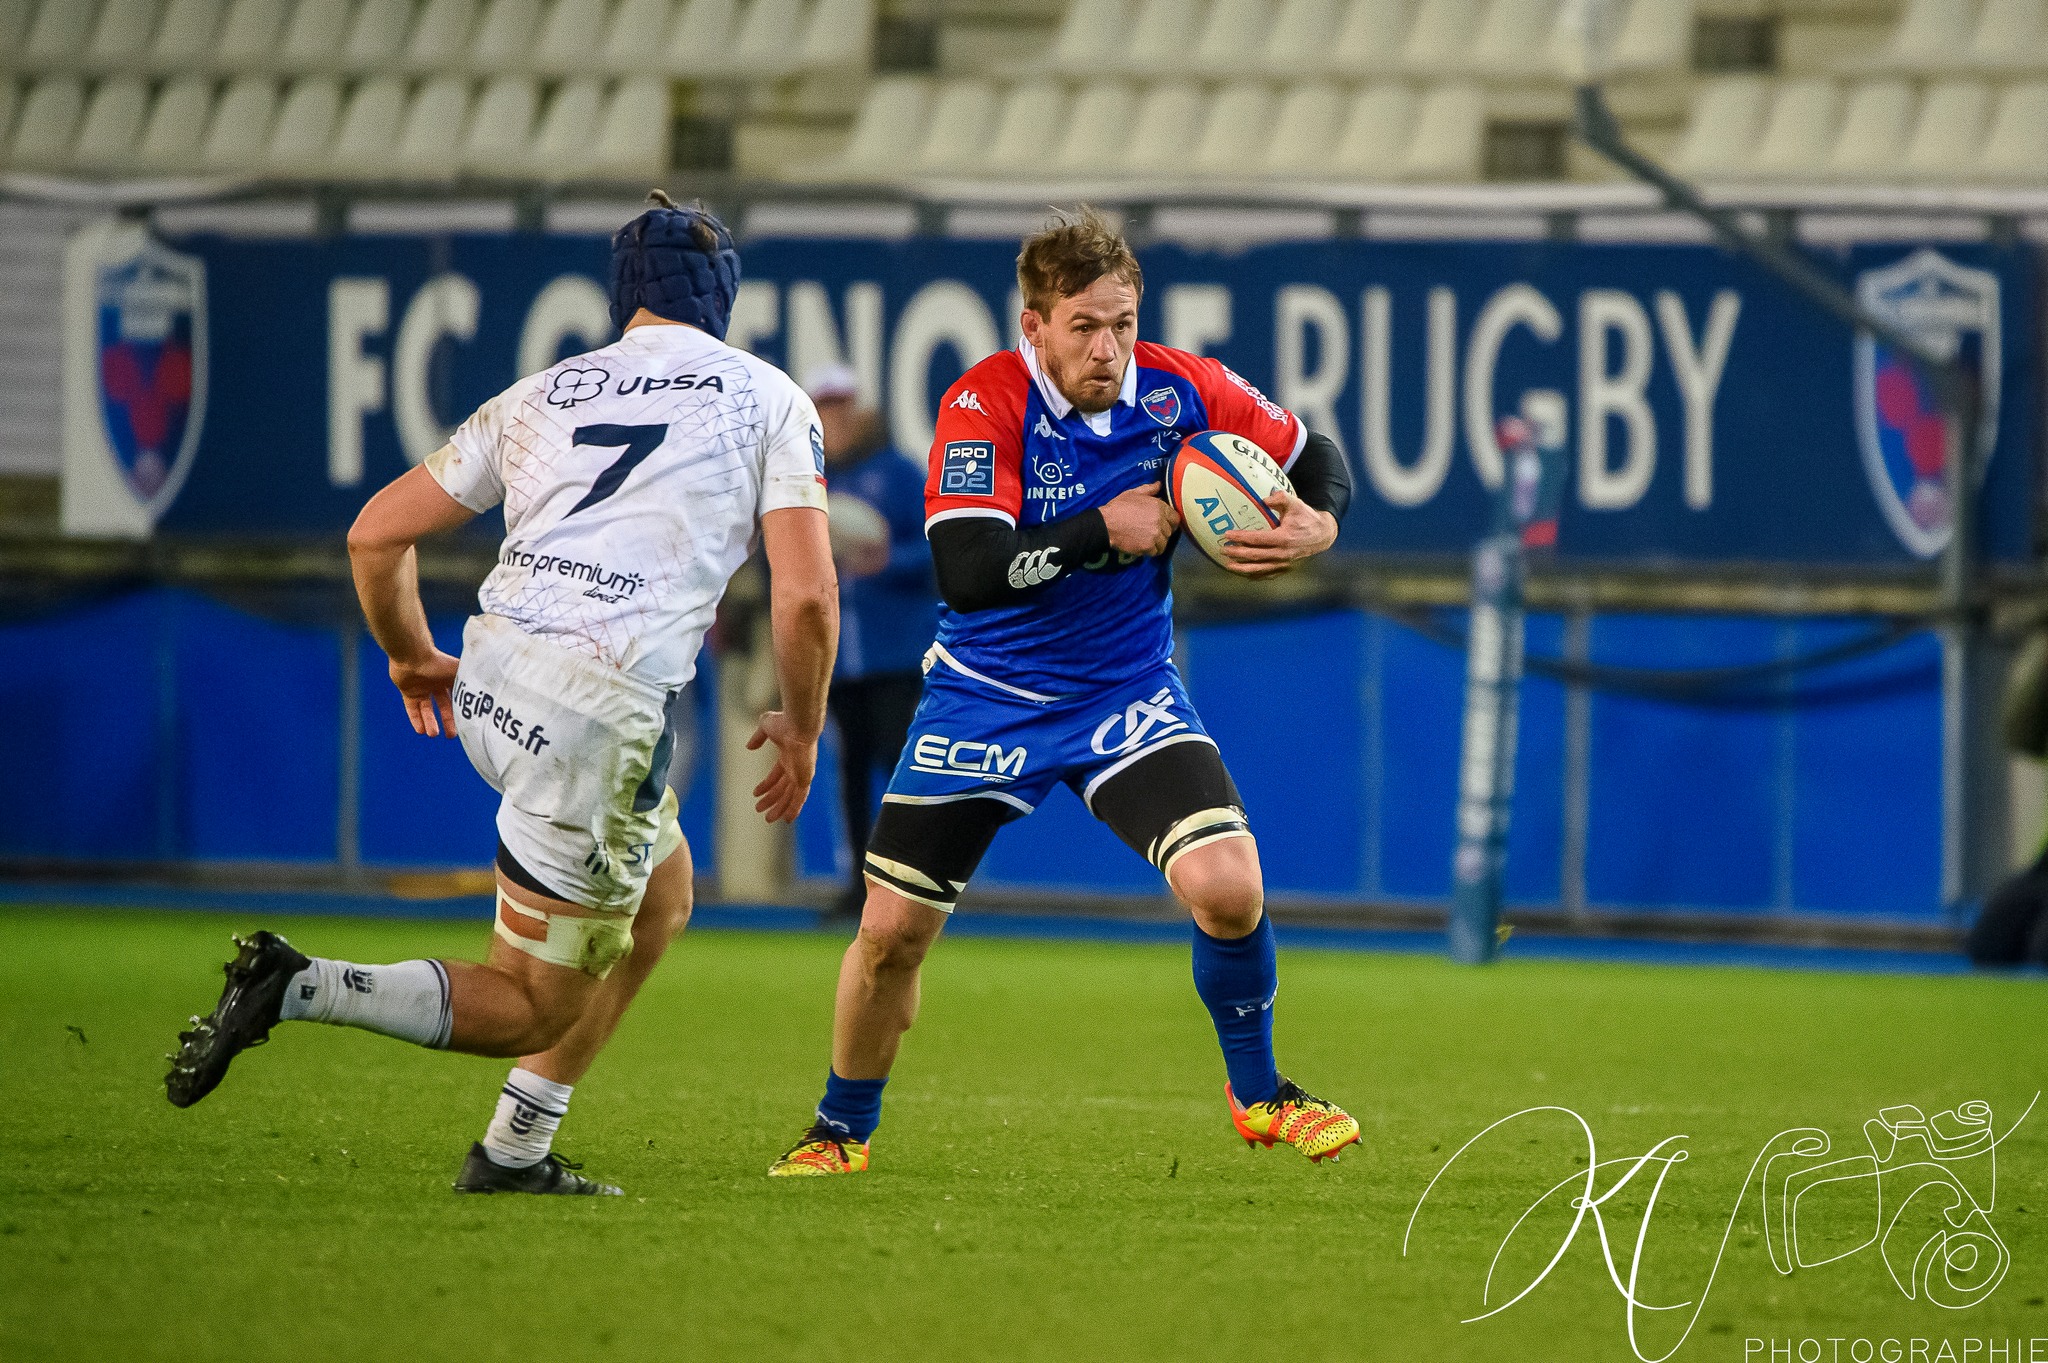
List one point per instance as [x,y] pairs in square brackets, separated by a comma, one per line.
[592,944]
[1197,830]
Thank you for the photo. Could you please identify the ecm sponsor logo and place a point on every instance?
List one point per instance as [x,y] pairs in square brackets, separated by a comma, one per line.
[944,756]
[1141,720]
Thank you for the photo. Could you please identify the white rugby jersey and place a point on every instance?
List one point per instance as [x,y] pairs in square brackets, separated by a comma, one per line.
[632,478]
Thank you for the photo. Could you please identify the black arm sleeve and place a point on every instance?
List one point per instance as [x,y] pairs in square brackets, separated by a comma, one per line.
[983,562]
[1321,476]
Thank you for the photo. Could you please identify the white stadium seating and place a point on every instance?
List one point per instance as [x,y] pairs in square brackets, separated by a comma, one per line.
[1876,123]
[184,36]
[238,134]
[1948,135]
[176,131]
[47,124]
[250,34]
[963,119]
[1872,92]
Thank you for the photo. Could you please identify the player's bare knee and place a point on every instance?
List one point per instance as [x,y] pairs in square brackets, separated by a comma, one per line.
[890,945]
[1225,892]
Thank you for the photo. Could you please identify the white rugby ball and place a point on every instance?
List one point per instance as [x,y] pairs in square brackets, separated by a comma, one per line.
[1219,482]
[856,528]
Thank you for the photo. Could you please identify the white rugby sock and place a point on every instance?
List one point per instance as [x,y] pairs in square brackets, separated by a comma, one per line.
[530,1110]
[409,1000]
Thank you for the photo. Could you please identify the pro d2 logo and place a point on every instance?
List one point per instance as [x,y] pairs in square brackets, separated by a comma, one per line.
[135,377]
[1900,425]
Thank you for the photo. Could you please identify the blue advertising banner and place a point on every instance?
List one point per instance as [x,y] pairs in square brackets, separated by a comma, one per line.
[228,386]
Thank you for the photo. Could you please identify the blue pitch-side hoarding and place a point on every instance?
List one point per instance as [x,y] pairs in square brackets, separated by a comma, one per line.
[1714,415]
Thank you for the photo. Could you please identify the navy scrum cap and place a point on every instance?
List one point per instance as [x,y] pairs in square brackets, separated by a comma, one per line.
[678,263]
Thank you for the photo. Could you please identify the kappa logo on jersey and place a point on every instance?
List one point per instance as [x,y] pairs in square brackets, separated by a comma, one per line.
[942,756]
[818,450]
[1045,429]
[1162,405]
[968,402]
[1034,566]
[1141,722]
[571,386]
[968,469]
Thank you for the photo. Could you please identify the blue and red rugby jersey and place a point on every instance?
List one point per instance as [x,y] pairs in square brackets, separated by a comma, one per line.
[1009,445]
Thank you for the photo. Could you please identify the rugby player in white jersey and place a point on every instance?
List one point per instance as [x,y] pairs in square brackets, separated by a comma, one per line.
[633,479]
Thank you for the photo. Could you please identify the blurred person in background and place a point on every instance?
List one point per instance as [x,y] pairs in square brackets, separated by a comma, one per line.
[888,602]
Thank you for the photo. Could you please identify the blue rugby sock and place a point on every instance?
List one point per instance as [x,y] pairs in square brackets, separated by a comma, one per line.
[852,1107]
[1236,978]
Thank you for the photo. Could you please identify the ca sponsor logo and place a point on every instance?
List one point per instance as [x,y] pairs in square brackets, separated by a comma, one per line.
[967,402]
[1138,723]
[1034,566]
[942,756]
[358,979]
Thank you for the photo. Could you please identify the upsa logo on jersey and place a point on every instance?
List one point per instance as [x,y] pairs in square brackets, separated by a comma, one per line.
[1900,424]
[149,329]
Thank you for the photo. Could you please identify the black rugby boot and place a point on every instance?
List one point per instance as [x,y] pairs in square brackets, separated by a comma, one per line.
[247,1010]
[481,1174]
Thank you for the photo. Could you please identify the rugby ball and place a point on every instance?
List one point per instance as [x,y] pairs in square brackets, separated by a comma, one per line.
[1219,482]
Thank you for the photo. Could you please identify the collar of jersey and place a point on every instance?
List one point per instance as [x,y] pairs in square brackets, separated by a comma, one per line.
[1056,401]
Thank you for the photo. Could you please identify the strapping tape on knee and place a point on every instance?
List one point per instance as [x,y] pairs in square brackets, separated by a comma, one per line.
[1196,830]
[592,944]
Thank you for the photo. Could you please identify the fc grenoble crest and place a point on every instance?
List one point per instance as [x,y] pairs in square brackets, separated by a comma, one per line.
[135,383]
[1900,423]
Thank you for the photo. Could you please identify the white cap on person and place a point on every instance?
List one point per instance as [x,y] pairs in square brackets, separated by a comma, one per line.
[828,381]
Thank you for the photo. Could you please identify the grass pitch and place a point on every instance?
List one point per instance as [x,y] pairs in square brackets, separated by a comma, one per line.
[1055,1175]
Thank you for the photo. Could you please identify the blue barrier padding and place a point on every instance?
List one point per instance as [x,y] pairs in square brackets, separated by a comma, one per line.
[1421,699]
[1285,701]
[1687,805]
[423,804]
[165,726]
[1866,794]
[87,771]
[257,735]
[1014,926]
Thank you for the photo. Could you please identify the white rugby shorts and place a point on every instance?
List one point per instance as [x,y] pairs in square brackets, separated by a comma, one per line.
[572,746]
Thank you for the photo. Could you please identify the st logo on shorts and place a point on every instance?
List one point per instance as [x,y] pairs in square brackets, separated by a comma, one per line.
[969,469]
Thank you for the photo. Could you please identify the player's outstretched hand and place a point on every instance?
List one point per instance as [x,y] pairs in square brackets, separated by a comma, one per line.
[425,684]
[1302,533]
[1140,521]
[782,791]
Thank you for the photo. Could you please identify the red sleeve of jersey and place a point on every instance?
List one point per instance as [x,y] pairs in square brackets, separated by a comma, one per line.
[977,457]
[1234,404]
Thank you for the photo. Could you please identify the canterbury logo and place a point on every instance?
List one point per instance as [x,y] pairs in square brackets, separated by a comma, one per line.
[1034,566]
[967,402]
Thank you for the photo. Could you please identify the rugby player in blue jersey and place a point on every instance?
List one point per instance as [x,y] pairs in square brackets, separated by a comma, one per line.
[1053,665]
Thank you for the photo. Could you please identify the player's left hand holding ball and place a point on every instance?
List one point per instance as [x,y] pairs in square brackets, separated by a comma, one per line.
[425,684]
[1302,533]
[781,792]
